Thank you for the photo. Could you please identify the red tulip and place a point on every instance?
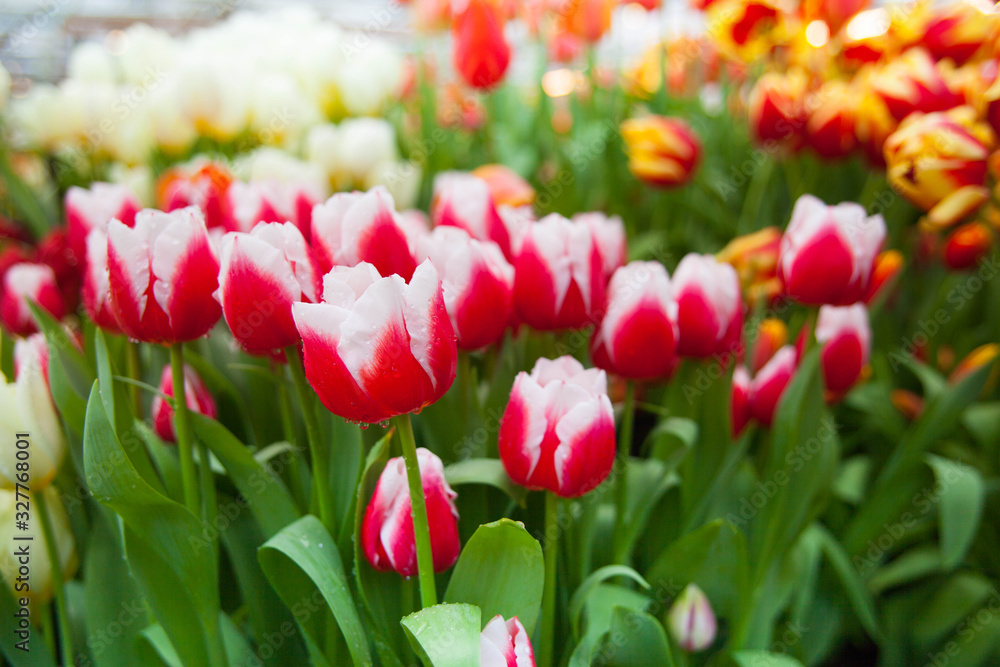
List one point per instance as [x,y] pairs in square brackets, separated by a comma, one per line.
[967,245]
[505,644]
[162,275]
[739,401]
[558,275]
[637,337]
[96,206]
[387,531]
[828,252]
[27,281]
[270,201]
[609,235]
[846,337]
[96,288]
[558,431]
[478,285]
[196,395]
[463,200]
[377,347]
[769,384]
[709,306]
[480,51]
[355,227]
[261,275]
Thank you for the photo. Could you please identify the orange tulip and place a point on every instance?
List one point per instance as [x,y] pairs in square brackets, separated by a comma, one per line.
[967,245]
[908,403]
[984,355]
[587,19]
[480,52]
[888,265]
[506,185]
[772,335]
[662,151]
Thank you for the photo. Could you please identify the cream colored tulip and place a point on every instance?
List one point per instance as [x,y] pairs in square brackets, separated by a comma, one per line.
[38,586]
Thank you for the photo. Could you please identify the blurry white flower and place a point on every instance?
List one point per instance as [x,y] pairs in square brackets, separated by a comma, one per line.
[369,77]
[90,62]
[139,180]
[148,53]
[400,177]
[363,144]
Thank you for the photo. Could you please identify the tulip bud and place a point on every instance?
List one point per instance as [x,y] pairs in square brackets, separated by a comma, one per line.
[478,284]
[846,339]
[828,252]
[939,162]
[776,109]
[95,207]
[967,245]
[913,82]
[739,401]
[984,355]
[355,227]
[480,51]
[772,334]
[609,235]
[637,338]
[162,275]
[506,186]
[26,282]
[709,307]
[387,531]
[558,430]
[662,151]
[691,620]
[888,264]
[377,347]
[505,644]
[40,585]
[196,397]
[261,275]
[769,384]
[463,200]
[558,275]
[830,128]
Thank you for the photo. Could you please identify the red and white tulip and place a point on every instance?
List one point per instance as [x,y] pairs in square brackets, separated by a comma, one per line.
[609,236]
[271,201]
[96,287]
[739,401]
[463,200]
[846,337]
[196,395]
[505,644]
[95,207]
[770,382]
[24,282]
[709,306]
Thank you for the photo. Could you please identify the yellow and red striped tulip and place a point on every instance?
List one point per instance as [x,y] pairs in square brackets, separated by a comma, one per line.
[662,151]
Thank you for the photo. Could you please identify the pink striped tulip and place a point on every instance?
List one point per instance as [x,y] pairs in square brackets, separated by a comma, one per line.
[270,201]
[709,306]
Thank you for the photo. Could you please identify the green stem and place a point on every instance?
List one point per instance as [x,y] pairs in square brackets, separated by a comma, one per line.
[209,507]
[182,429]
[549,592]
[49,629]
[621,485]
[134,371]
[288,427]
[62,610]
[418,510]
[320,455]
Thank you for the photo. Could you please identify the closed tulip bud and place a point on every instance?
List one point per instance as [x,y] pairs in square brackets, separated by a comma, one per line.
[478,284]
[96,206]
[739,401]
[830,128]
[261,275]
[662,151]
[387,531]
[206,188]
[506,186]
[888,265]
[913,82]
[463,200]
[505,644]
[558,432]
[709,307]
[196,395]
[558,275]
[772,334]
[96,288]
[377,347]
[26,282]
[769,384]
[637,338]
[939,162]
[846,339]
[162,275]
[480,50]
[776,109]
[355,227]
[40,584]
[828,253]
[691,620]
[967,245]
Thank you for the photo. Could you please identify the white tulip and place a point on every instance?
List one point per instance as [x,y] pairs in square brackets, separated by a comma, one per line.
[400,177]
[364,144]
[39,588]
[90,62]
[369,77]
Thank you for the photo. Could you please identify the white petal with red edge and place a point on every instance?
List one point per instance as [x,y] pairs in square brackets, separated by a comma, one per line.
[179,231]
[131,248]
[418,304]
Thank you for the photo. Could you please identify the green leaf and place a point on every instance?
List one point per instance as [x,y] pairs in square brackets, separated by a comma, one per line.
[859,597]
[485,471]
[70,375]
[983,421]
[445,635]
[635,639]
[302,558]
[591,582]
[955,602]
[648,480]
[763,659]
[500,570]
[916,564]
[25,202]
[671,439]
[961,495]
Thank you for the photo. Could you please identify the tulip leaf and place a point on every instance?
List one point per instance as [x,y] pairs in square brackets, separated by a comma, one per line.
[909,567]
[485,471]
[500,570]
[635,639]
[445,635]
[858,595]
[591,582]
[983,422]
[156,646]
[70,374]
[264,492]
[599,607]
[302,559]
[961,500]
[763,659]
[953,605]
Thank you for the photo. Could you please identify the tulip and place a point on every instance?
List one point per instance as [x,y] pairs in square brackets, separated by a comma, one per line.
[984,355]
[205,188]
[967,245]
[387,531]
[506,186]
[162,275]
[691,620]
[888,264]
[846,340]
[27,407]
[830,128]
[96,288]
[755,258]
[772,335]
[609,235]
[377,347]
[505,644]
[587,19]
[769,384]
[478,285]
[196,397]
[958,31]
[96,206]
[261,275]
[828,252]
[54,250]
[835,13]
[748,29]
[776,109]
[909,404]
[24,282]
[637,338]
[558,275]
[913,82]
[662,151]
[709,307]
[355,227]
[739,402]
[939,162]
[558,431]
[270,201]
[40,582]
[463,200]
[480,52]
